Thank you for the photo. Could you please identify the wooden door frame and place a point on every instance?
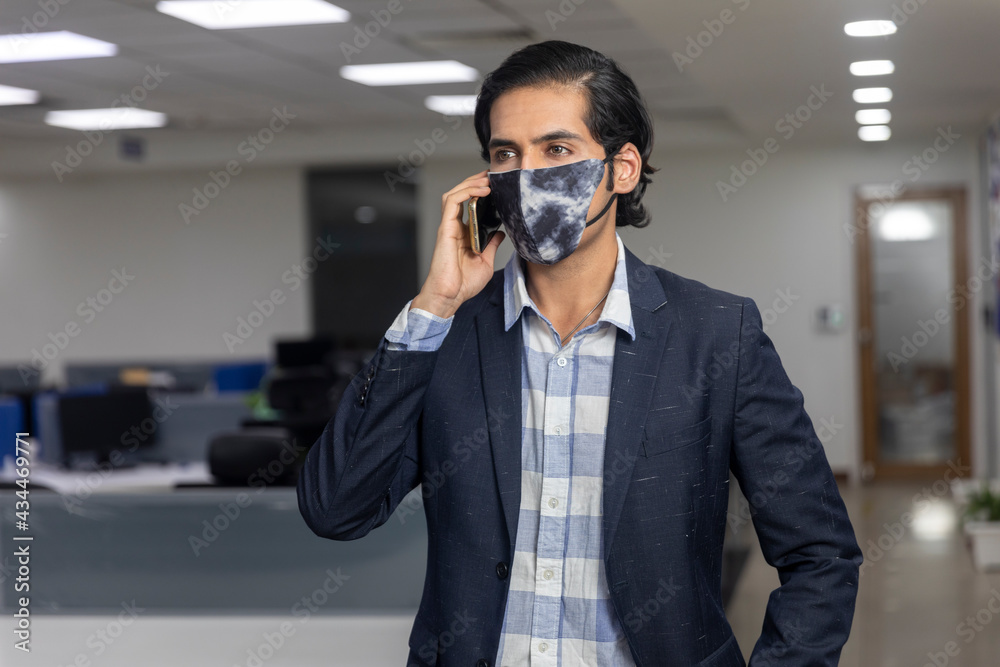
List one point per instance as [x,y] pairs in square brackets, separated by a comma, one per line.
[866,337]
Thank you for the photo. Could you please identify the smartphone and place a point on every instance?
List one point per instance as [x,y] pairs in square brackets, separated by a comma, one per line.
[483,222]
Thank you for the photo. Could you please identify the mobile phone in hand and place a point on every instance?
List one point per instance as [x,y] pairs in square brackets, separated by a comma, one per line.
[483,222]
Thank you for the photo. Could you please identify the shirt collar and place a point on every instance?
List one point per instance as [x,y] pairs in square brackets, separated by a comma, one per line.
[617,309]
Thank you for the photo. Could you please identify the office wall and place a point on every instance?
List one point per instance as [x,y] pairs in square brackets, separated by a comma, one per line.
[182,286]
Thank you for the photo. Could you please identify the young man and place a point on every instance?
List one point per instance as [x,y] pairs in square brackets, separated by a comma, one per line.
[574,417]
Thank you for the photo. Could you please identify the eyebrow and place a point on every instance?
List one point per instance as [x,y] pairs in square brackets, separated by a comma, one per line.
[555,135]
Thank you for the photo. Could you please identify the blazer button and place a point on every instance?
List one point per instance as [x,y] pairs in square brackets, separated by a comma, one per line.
[502,570]
[482,662]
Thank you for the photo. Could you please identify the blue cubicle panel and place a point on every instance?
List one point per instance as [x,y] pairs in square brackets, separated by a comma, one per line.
[11,422]
[208,551]
[239,377]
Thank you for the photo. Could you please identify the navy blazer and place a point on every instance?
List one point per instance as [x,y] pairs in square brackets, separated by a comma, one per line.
[700,392]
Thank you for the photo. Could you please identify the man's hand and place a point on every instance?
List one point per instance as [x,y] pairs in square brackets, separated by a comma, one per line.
[457,273]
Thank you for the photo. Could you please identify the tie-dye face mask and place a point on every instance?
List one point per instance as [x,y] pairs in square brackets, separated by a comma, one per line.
[545,210]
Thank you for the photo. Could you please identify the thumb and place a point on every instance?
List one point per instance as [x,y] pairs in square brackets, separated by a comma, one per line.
[490,251]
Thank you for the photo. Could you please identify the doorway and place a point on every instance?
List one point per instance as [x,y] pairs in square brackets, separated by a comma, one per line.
[913,332]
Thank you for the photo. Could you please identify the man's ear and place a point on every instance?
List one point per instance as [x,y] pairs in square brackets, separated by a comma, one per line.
[628,168]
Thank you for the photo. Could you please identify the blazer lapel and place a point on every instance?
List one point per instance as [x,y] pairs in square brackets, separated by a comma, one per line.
[631,392]
[632,378]
[500,364]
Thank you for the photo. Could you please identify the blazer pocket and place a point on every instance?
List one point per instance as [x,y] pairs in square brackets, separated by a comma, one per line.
[661,442]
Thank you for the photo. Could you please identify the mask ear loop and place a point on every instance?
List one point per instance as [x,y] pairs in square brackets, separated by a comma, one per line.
[606,206]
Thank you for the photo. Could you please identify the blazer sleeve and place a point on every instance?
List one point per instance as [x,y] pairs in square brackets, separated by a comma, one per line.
[367,458]
[797,511]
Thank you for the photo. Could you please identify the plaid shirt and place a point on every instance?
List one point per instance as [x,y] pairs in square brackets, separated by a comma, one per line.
[558,608]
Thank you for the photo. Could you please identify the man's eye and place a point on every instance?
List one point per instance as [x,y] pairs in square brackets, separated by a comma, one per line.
[502,155]
[560,150]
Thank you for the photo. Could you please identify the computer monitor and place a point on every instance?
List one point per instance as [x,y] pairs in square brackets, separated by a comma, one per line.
[299,353]
[95,425]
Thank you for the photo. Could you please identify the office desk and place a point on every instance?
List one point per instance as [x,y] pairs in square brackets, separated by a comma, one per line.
[123,552]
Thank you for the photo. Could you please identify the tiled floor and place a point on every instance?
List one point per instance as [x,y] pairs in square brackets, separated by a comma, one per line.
[919,596]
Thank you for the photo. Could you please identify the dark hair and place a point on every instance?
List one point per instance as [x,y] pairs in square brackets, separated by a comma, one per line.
[615,114]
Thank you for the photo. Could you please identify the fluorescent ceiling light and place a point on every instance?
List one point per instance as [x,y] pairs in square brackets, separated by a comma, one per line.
[906,224]
[872,67]
[452,105]
[870,28]
[872,95]
[874,132]
[873,116]
[395,74]
[62,45]
[10,95]
[116,118]
[229,14]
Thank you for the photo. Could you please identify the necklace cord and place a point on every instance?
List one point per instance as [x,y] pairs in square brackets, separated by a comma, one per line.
[563,342]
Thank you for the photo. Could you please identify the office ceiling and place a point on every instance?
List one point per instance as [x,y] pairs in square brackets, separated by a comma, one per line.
[761,66]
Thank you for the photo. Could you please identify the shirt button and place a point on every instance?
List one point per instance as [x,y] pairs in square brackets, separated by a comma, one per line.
[553,503]
[561,361]
[543,647]
[547,575]
[558,430]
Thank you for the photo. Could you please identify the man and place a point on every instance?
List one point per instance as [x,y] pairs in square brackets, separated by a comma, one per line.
[575,416]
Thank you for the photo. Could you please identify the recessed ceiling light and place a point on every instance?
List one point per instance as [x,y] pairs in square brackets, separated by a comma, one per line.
[872,95]
[9,95]
[870,28]
[873,116]
[874,132]
[62,45]
[116,118]
[395,74]
[220,15]
[452,105]
[872,67]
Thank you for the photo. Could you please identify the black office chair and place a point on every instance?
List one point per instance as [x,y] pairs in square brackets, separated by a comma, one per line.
[271,451]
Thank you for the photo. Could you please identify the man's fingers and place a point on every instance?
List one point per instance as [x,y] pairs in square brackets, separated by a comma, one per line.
[490,251]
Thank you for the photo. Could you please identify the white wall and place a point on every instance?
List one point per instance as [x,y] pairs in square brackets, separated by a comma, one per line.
[191,282]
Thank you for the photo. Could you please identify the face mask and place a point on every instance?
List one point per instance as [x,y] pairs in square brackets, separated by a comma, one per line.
[545,210]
